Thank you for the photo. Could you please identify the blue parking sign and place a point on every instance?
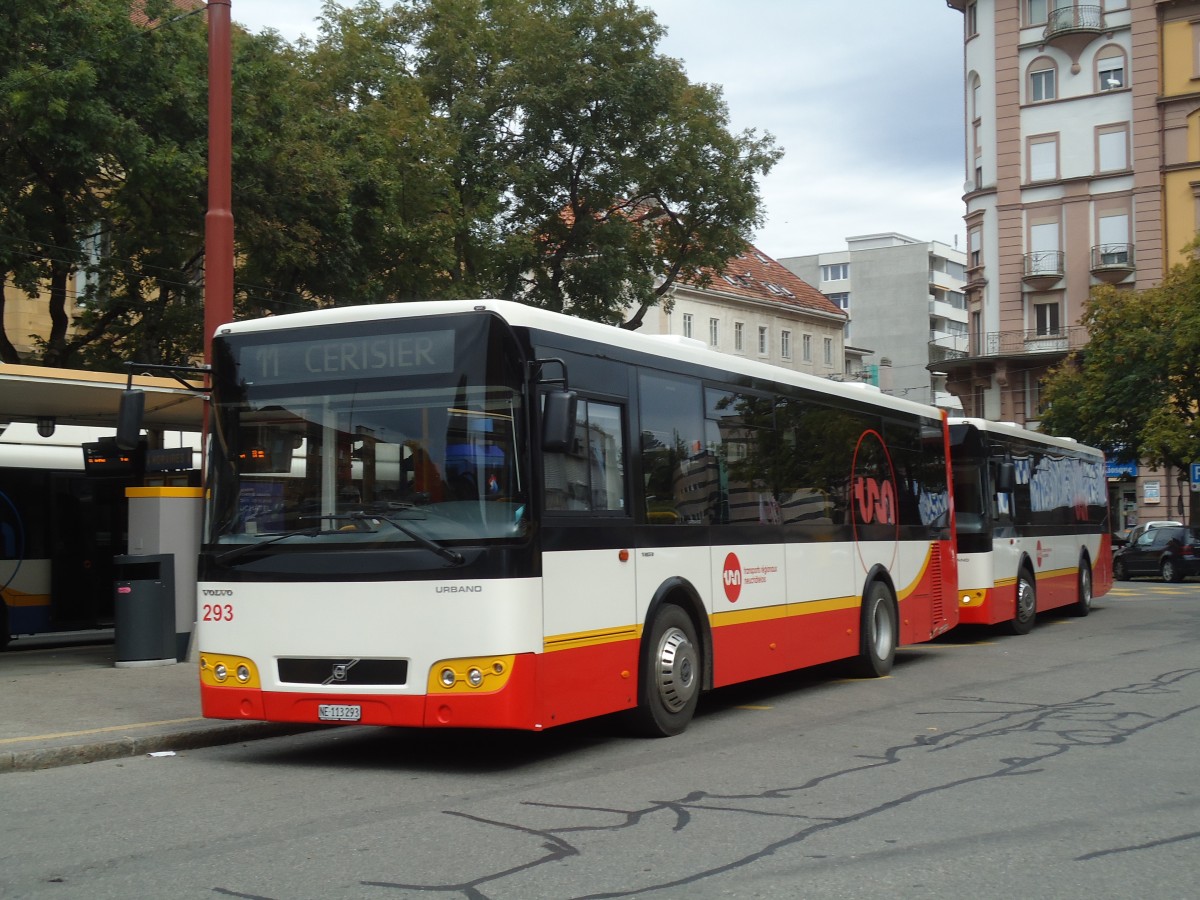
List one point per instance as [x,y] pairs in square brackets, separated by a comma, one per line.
[1195,476]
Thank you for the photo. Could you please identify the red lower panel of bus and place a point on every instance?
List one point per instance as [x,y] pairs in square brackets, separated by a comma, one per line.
[758,649]
[571,684]
[1000,603]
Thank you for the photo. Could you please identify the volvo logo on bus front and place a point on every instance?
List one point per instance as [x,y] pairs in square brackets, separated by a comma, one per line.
[341,672]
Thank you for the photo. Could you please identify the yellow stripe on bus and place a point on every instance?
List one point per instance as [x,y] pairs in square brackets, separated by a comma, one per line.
[590,638]
[13,597]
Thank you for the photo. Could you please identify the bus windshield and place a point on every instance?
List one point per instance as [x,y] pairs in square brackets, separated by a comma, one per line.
[363,439]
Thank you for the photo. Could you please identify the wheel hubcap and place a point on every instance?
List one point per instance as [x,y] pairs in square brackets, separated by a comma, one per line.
[883,631]
[1024,600]
[676,670]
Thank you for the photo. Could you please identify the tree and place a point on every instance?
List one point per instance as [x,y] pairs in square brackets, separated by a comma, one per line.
[1134,391]
[102,145]
[582,171]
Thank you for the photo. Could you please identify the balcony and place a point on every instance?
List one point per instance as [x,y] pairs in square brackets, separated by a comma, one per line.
[1112,263]
[1043,269]
[1071,28]
[954,349]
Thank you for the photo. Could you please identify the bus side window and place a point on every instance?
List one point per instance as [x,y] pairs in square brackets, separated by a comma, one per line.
[679,471]
[590,475]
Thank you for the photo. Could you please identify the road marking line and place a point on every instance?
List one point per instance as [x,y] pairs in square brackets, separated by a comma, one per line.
[67,734]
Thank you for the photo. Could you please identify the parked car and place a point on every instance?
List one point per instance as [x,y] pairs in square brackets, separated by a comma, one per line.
[1121,538]
[1169,551]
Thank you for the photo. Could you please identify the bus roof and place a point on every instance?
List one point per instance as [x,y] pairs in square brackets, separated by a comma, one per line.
[1011,429]
[522,316]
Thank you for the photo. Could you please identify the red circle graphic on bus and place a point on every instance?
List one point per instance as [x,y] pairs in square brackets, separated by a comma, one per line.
[732,577]
[874,510]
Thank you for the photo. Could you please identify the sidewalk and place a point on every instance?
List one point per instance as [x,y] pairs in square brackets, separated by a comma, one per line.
[66,704]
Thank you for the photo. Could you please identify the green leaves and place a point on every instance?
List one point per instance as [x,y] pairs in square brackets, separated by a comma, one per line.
[538,150]
[1135,390]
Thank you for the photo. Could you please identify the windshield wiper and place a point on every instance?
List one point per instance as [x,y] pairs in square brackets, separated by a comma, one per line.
[230,556]
[452,556]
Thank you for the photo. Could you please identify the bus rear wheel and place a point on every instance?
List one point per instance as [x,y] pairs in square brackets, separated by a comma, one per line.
[1026,615]
[669,681]
[878,634]
[1083,605]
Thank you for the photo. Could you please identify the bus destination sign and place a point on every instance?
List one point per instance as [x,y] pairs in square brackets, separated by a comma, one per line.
[370,356]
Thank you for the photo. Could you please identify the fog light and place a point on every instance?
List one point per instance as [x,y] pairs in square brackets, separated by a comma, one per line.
[448,678]
[220,671]
[498,667]
[474,677]
[243,674]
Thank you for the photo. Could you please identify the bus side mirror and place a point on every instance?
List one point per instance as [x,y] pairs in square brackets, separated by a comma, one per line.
[558,421]
[1006,478]
[129,419]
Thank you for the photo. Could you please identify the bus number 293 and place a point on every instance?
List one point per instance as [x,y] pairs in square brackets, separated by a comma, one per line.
[218,612]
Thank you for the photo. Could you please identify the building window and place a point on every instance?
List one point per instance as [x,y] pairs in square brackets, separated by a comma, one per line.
[763,338]
[714,331]
[1043,158]
[829,351]
[687,325]
[1035,12]
[1112,148]
[785,344]
[975,242]
[738,328]
[840,299]
[1111,73]
[806,348]
[835,272]
[1047,318]
[1042,84]
[971,19]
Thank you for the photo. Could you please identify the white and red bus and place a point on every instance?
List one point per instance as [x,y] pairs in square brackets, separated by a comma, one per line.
[482,514]
[1031,515]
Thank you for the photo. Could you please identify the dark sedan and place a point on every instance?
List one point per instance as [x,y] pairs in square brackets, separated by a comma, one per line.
[1169,551]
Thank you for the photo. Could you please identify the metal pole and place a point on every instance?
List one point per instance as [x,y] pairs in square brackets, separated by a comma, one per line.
[218,223]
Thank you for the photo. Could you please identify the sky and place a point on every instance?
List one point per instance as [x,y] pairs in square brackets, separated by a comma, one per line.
[865,99]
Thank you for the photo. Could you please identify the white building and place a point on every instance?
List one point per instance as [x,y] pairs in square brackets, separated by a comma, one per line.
[906,302]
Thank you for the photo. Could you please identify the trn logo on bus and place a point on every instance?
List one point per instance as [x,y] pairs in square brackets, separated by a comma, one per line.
[876,501]
[731,576]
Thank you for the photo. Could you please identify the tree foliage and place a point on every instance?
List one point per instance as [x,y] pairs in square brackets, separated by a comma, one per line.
[1134,391]
[538,150]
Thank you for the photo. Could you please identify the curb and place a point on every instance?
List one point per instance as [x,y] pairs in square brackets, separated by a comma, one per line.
[125,747]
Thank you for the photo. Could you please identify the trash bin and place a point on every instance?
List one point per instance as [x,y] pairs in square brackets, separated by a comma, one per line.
[144,601]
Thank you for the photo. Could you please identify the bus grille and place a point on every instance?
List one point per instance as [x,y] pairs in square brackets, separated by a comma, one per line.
[343,671]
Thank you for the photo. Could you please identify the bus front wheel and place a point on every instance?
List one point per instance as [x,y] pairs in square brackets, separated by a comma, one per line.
[1022,622]
[669,681]
[878,633]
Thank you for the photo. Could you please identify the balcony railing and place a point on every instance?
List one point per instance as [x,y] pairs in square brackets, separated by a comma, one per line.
[1043,268]
[1112,262]
[1080,17]
[1007,343]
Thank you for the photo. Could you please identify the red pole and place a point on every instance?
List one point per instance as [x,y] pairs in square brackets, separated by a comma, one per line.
[218,223]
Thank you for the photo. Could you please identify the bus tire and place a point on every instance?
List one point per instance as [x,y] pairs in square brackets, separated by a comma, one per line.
[1083,604]
[1026,613]
[878,632]
[670,674]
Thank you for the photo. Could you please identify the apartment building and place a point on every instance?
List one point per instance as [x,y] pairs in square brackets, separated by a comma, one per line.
[756,308]
[1082,149]
[906,302]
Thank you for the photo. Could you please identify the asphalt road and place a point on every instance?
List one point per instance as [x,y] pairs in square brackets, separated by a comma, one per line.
[1061,764]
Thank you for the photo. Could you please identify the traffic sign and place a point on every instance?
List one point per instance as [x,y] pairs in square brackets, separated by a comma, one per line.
[1195,467]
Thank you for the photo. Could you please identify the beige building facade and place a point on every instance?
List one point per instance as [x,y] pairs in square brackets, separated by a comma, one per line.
[1082,150]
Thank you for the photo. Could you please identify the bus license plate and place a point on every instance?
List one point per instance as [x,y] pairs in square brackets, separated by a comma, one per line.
[331,712]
